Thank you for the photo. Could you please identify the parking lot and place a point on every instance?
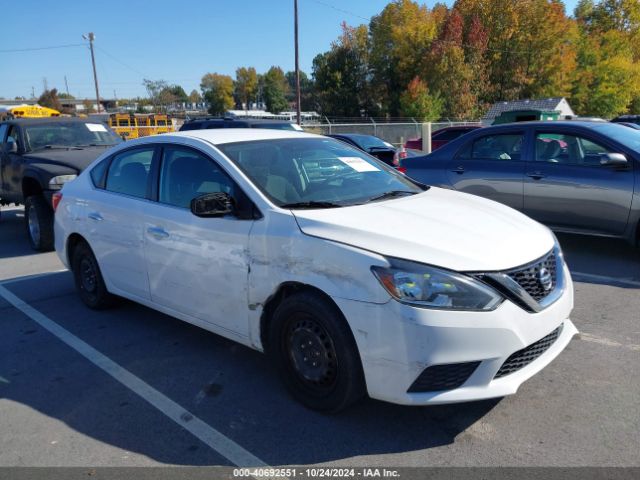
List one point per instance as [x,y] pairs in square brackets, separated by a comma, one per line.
[133,387]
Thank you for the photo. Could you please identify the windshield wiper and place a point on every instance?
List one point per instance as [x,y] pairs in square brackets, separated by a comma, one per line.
[96,145]
[311,204]
[51,147]
[380,148]
[390,194]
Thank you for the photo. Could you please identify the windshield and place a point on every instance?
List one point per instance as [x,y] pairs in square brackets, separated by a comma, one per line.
[316,173]
[629,137]
[367,142]
[68,134]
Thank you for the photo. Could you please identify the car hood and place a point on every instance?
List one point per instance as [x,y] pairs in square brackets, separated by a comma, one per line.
[439,227]
[76,159]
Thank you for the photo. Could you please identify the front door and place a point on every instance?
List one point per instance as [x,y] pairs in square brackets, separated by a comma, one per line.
[566,186]
[491,166]
[197,266]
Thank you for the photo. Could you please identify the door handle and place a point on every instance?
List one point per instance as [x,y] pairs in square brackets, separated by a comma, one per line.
[95,216]
[537,175]
[158,232]
[459,170]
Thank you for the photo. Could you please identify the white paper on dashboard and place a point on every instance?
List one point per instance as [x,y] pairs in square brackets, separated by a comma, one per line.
[358,164]
[95,127]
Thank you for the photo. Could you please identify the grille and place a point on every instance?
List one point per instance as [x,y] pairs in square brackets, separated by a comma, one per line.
[524,357]
[529,277]
[443,377]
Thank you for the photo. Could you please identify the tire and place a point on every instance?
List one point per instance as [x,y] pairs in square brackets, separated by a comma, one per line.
[38,217]
[315,354]
[88,279]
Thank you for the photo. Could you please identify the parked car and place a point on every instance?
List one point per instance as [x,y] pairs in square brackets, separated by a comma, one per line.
[442,136]
[353,278]
[579,177]
[372,145]
[627,119]
[37,157]
[635,126]
[233,122]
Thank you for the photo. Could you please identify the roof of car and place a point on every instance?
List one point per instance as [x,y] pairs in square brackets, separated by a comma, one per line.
[594,125]
[35,121]
[231,135]
[229,119]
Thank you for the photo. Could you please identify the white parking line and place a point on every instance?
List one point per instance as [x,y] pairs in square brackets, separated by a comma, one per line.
[590,277]
[199,429]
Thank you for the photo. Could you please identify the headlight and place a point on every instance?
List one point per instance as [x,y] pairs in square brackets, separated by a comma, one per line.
[56,183]
[432,287]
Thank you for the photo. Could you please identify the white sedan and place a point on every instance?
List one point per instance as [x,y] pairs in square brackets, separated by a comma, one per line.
[353,278]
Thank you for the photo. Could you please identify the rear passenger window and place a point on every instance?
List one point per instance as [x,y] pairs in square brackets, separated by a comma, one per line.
[186,174]
[129,172]
[494,147]
[98,173]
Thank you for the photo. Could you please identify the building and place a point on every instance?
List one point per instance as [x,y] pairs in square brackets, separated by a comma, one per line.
[559,104]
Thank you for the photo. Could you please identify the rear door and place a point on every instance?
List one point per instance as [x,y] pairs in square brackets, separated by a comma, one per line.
[115,220]
[566,186]
[491,166]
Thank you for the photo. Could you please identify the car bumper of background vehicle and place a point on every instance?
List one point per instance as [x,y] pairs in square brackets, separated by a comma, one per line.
[398,342]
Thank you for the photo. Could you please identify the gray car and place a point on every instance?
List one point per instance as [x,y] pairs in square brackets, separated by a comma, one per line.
[576,177]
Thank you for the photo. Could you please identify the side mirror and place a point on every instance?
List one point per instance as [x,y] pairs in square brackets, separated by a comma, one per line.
[216,204]
[615,159]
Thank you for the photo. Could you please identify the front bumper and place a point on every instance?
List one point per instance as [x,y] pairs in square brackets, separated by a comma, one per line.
[397,342]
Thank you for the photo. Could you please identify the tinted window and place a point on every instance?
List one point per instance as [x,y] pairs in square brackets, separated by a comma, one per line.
[3,131]
[568,149]
[494,147]
[129,172]
[186,174]
[448,135]
[68,134]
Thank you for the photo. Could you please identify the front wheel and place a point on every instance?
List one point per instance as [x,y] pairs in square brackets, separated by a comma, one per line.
[88,279]
[315,353]
[38,217]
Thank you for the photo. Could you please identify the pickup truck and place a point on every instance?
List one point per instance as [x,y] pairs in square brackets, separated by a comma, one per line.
[37,157]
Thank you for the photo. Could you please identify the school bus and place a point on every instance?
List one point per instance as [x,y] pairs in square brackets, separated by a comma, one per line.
[32,111]
[130,126]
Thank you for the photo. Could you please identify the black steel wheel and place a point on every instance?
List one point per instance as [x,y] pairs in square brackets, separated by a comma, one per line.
[38,217]
[88,278]
[315,353]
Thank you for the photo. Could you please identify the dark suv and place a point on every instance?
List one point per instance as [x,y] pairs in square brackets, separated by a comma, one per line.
[231,122]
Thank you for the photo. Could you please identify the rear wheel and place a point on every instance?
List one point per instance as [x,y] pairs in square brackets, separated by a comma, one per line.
[38,217]
[88,279]
[315,353]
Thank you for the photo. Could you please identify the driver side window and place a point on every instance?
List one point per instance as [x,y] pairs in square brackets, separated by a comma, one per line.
[568,150]
[186,174]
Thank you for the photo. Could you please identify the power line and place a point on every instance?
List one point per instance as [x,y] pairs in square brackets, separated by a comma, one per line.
[120,61]
[333,7]
[42,48]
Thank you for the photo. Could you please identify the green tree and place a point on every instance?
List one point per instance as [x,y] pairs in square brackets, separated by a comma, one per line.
[341,75]
[154,89]
[49,98]
[246,86]
[307,91]
[417,102]
[217,90]
[65,96]
[195,97]
[275,88]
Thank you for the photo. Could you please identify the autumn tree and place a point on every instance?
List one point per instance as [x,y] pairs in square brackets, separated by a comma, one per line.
[246,86]
[49,99]
[418,102]
[217,90]
[195,97]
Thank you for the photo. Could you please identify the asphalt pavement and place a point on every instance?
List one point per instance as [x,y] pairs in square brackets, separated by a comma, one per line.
[133,387]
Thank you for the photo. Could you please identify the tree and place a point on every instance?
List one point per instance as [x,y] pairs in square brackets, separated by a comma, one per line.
[341,75]
[195,97]
[88,106]
[417,102]
[217,90]
[65,96]
[154,88]
[246,86]
[307,91]
[275,88]
[49,98]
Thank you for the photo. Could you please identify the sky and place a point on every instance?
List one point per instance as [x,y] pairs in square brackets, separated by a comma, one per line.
[173,40]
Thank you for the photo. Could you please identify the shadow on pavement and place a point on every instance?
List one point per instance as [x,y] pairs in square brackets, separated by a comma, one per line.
[13,235]
[230,387]
[599,260]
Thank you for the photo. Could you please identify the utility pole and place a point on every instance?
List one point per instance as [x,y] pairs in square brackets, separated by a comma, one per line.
[91,37]
[295,23]
[33,92]
[66,85]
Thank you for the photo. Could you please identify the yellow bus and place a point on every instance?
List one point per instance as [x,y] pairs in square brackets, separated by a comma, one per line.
[31,111]
[131,126]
